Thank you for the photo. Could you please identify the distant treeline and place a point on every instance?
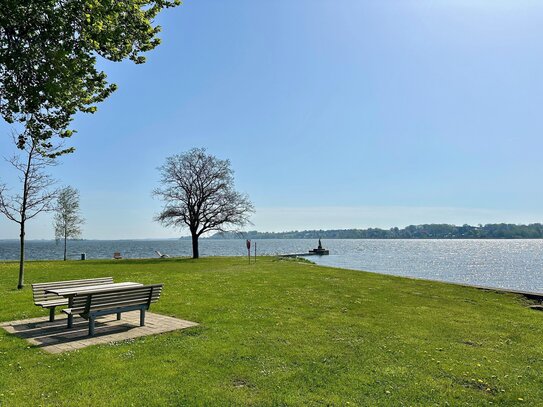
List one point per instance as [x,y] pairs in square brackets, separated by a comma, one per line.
[433,231]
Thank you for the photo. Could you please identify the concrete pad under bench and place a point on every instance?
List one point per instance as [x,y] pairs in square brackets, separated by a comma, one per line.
[54,337]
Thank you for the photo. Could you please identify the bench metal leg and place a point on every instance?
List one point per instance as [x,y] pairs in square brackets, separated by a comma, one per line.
[70,316]
[142,317]
[51,314]
[118,316]
[91,326]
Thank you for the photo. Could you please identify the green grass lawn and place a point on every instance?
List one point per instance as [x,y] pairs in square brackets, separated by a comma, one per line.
[283,333]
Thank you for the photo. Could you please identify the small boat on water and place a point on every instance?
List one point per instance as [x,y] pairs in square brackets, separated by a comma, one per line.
[319,250]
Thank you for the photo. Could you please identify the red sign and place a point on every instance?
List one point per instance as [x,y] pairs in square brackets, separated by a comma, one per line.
[248,244]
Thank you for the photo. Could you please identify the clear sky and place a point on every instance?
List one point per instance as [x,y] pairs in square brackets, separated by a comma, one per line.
[334,114]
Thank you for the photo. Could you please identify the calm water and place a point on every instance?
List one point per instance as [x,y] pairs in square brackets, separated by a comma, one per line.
[514,264]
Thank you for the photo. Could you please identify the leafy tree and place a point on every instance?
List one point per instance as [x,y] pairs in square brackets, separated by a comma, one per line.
[67,220]
[48,56]
[427,231]
[36,195]
[198,191]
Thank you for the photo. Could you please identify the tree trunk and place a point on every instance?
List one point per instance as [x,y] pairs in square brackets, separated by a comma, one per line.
[65,245]
[22,258]
[195,253]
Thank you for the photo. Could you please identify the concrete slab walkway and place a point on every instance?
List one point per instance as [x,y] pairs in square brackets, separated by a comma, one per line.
[54,337]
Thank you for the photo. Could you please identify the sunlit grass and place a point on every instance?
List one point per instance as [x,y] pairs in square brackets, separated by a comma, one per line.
[283,333]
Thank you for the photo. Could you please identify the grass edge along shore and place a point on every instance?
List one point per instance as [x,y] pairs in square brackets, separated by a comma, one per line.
[283,332]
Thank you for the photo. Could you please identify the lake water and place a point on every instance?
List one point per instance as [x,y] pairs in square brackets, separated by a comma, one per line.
[515,264]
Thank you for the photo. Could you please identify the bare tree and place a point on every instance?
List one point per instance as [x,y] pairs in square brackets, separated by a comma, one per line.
[67,220]
[36,195]
[198,191]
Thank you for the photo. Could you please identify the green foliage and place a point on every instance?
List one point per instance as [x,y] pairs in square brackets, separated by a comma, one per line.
[429,231]
[67,219]
[284,333]
[48,55]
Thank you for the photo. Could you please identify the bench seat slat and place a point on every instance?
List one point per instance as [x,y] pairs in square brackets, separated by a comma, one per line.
[70,283]
[114,294]
[113,301]
[144,295]
[52,303]
[112,304]
[118,305]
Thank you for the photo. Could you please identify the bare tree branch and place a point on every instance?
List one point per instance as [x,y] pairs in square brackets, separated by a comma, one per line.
[198,191]
[36,194]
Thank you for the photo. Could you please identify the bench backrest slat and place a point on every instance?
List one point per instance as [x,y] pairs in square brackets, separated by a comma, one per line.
[123,297]
[38,289]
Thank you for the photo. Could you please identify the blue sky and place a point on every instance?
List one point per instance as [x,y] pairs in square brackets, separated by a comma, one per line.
[334,114]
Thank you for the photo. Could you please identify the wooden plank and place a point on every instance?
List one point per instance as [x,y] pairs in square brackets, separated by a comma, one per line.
[73,282]
[119,304]
[112,295]
[53,303]
[101,307]
[142,296]
[129,287]
[92,289]
[101,301]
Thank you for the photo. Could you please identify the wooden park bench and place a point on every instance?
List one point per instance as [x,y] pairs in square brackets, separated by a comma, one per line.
[91,305]
[44,299]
